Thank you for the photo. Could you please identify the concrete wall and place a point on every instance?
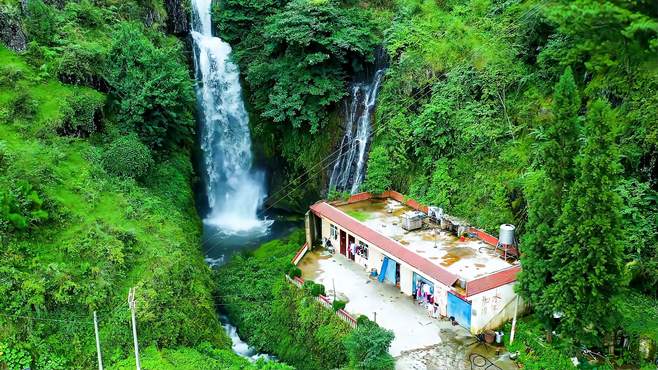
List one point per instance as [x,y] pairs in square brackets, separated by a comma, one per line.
[492,308]
[406,279]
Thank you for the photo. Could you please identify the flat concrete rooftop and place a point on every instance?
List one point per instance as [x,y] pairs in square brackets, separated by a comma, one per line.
[468,259]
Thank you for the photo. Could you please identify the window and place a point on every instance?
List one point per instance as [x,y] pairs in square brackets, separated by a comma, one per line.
[333,232]
[362,250]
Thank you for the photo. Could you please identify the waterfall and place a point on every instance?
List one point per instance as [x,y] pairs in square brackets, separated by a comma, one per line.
[349,170]
[235,192]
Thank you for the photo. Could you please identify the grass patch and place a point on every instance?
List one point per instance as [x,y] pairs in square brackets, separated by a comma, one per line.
[359,215]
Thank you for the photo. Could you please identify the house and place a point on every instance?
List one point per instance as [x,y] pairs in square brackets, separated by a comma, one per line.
[468,276]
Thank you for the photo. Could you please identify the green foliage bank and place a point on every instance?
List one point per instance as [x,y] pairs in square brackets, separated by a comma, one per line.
[276,317]
[95,193]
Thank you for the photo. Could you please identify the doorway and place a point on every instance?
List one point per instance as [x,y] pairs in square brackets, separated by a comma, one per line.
[350,241]
[343,243]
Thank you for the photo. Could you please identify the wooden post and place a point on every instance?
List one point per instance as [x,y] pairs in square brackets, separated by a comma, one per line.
[131,303]
[98,343]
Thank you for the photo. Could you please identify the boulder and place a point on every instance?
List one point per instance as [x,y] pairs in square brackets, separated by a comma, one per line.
[11,29]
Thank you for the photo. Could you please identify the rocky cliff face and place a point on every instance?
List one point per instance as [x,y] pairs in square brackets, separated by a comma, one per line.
[178,22]
[11,29]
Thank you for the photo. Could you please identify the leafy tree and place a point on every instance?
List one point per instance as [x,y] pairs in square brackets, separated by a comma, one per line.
[640,225]
[302,68]
[127,157]
[152,89]
[378,180]
[367,347]
[587,249]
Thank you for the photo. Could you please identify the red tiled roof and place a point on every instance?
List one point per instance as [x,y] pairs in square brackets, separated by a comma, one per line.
[388,245]
[494,280]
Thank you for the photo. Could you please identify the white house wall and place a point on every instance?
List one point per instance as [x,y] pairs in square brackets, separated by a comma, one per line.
[487,306]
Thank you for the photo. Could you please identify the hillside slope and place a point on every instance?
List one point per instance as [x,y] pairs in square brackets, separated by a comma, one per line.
[96,126]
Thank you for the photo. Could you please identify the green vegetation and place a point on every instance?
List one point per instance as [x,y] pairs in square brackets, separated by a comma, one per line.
[297,58]
[190,359]
[297,329]
[537,113]
[96,196]
[359,215]
[518,112]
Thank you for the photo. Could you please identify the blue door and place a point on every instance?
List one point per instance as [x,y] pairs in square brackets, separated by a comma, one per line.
[460,310]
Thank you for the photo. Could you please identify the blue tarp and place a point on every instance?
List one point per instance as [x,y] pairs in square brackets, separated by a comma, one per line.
[390,271]
[382,271]
[387,271]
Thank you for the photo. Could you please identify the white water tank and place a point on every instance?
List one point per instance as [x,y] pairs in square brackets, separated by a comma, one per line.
[506,234]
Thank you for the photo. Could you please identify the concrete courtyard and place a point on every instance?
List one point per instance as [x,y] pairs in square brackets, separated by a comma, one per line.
[421,342]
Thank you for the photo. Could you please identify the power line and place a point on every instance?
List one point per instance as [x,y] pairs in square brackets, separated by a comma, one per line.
[340,148]
[46,319]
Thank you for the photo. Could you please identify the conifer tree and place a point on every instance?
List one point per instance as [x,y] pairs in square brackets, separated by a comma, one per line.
[586,248]
[544,189]
[562,134]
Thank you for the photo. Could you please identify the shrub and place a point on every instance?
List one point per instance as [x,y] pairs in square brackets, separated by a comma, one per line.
[294,271]
[41,22]
[367,347]
[81,64]
[23,106]
[21,207]
[127,157]
[338,304]
[82,114]
[363,320]
[313,288]
[10,75]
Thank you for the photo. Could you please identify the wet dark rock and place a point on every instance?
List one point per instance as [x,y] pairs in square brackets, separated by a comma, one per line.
[178,22]
[11,29]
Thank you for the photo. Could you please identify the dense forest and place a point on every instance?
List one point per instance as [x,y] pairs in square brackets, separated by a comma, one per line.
[539,113]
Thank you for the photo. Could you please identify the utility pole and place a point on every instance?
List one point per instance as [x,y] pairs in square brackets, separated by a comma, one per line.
[516,309]
[98,343]
[375,318]
[131,303]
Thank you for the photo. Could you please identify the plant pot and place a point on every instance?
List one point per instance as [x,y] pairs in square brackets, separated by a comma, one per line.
[489,336]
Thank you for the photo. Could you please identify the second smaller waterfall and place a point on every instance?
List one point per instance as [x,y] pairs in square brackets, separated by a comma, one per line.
[349,170]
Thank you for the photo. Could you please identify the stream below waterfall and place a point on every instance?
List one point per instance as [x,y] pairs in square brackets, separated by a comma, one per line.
[233,190]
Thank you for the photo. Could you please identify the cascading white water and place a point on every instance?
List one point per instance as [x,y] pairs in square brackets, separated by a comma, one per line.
[235,192]
[348,172]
